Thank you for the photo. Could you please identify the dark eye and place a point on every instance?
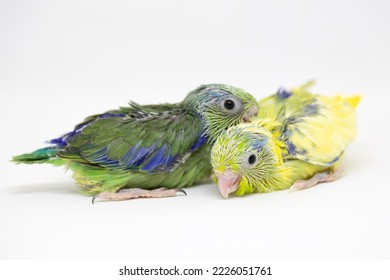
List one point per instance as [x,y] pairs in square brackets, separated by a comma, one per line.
[252,159]
[229,104]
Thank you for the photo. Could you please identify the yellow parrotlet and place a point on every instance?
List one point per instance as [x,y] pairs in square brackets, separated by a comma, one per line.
[296,142]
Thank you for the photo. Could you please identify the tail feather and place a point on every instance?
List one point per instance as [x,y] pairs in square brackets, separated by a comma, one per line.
[39,156]
[354,100]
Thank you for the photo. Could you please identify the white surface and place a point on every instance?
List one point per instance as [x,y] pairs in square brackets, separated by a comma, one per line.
[63,60]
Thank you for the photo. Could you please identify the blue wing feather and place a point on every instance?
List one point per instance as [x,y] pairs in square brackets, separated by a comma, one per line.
[155,160]
[142,158]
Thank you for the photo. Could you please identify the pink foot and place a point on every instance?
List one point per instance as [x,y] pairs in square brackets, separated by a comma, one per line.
[316,179]
[133,193]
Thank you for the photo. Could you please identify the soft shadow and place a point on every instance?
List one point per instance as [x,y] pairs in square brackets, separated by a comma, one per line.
[55,187]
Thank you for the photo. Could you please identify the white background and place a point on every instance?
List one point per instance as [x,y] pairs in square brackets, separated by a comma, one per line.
[61,61]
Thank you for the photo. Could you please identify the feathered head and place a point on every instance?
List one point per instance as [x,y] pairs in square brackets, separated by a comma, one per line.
[247,158]
[220,107]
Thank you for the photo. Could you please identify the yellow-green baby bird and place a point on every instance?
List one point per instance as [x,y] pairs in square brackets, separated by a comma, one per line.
[297,141]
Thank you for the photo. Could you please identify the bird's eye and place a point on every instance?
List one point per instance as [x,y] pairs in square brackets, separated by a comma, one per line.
[252,159]
[229,104]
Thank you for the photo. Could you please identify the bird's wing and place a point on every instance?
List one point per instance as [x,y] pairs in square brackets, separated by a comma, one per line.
[320,131]
[150,139]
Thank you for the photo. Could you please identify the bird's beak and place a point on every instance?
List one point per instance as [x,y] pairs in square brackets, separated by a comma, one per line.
[228,182]
[251,113]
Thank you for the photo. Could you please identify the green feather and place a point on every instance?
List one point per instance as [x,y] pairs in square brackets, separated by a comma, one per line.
[44,155]
[149,146]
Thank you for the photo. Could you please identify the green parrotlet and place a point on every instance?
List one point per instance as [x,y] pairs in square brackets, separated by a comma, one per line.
[148,150]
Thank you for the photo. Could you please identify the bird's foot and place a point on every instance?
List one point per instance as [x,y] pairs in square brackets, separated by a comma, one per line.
[318,178]
[133,193]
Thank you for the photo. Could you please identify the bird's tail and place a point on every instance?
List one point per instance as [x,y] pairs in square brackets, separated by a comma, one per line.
[353,100]
[44,155]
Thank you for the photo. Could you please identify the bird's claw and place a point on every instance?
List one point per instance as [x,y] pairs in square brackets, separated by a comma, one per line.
[182,191]
[94,198]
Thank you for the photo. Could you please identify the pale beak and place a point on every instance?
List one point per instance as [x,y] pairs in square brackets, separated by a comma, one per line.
[251,113]
[228,182]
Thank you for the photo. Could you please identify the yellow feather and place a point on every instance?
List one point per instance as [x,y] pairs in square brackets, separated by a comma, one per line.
[354,100]
[305,134]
